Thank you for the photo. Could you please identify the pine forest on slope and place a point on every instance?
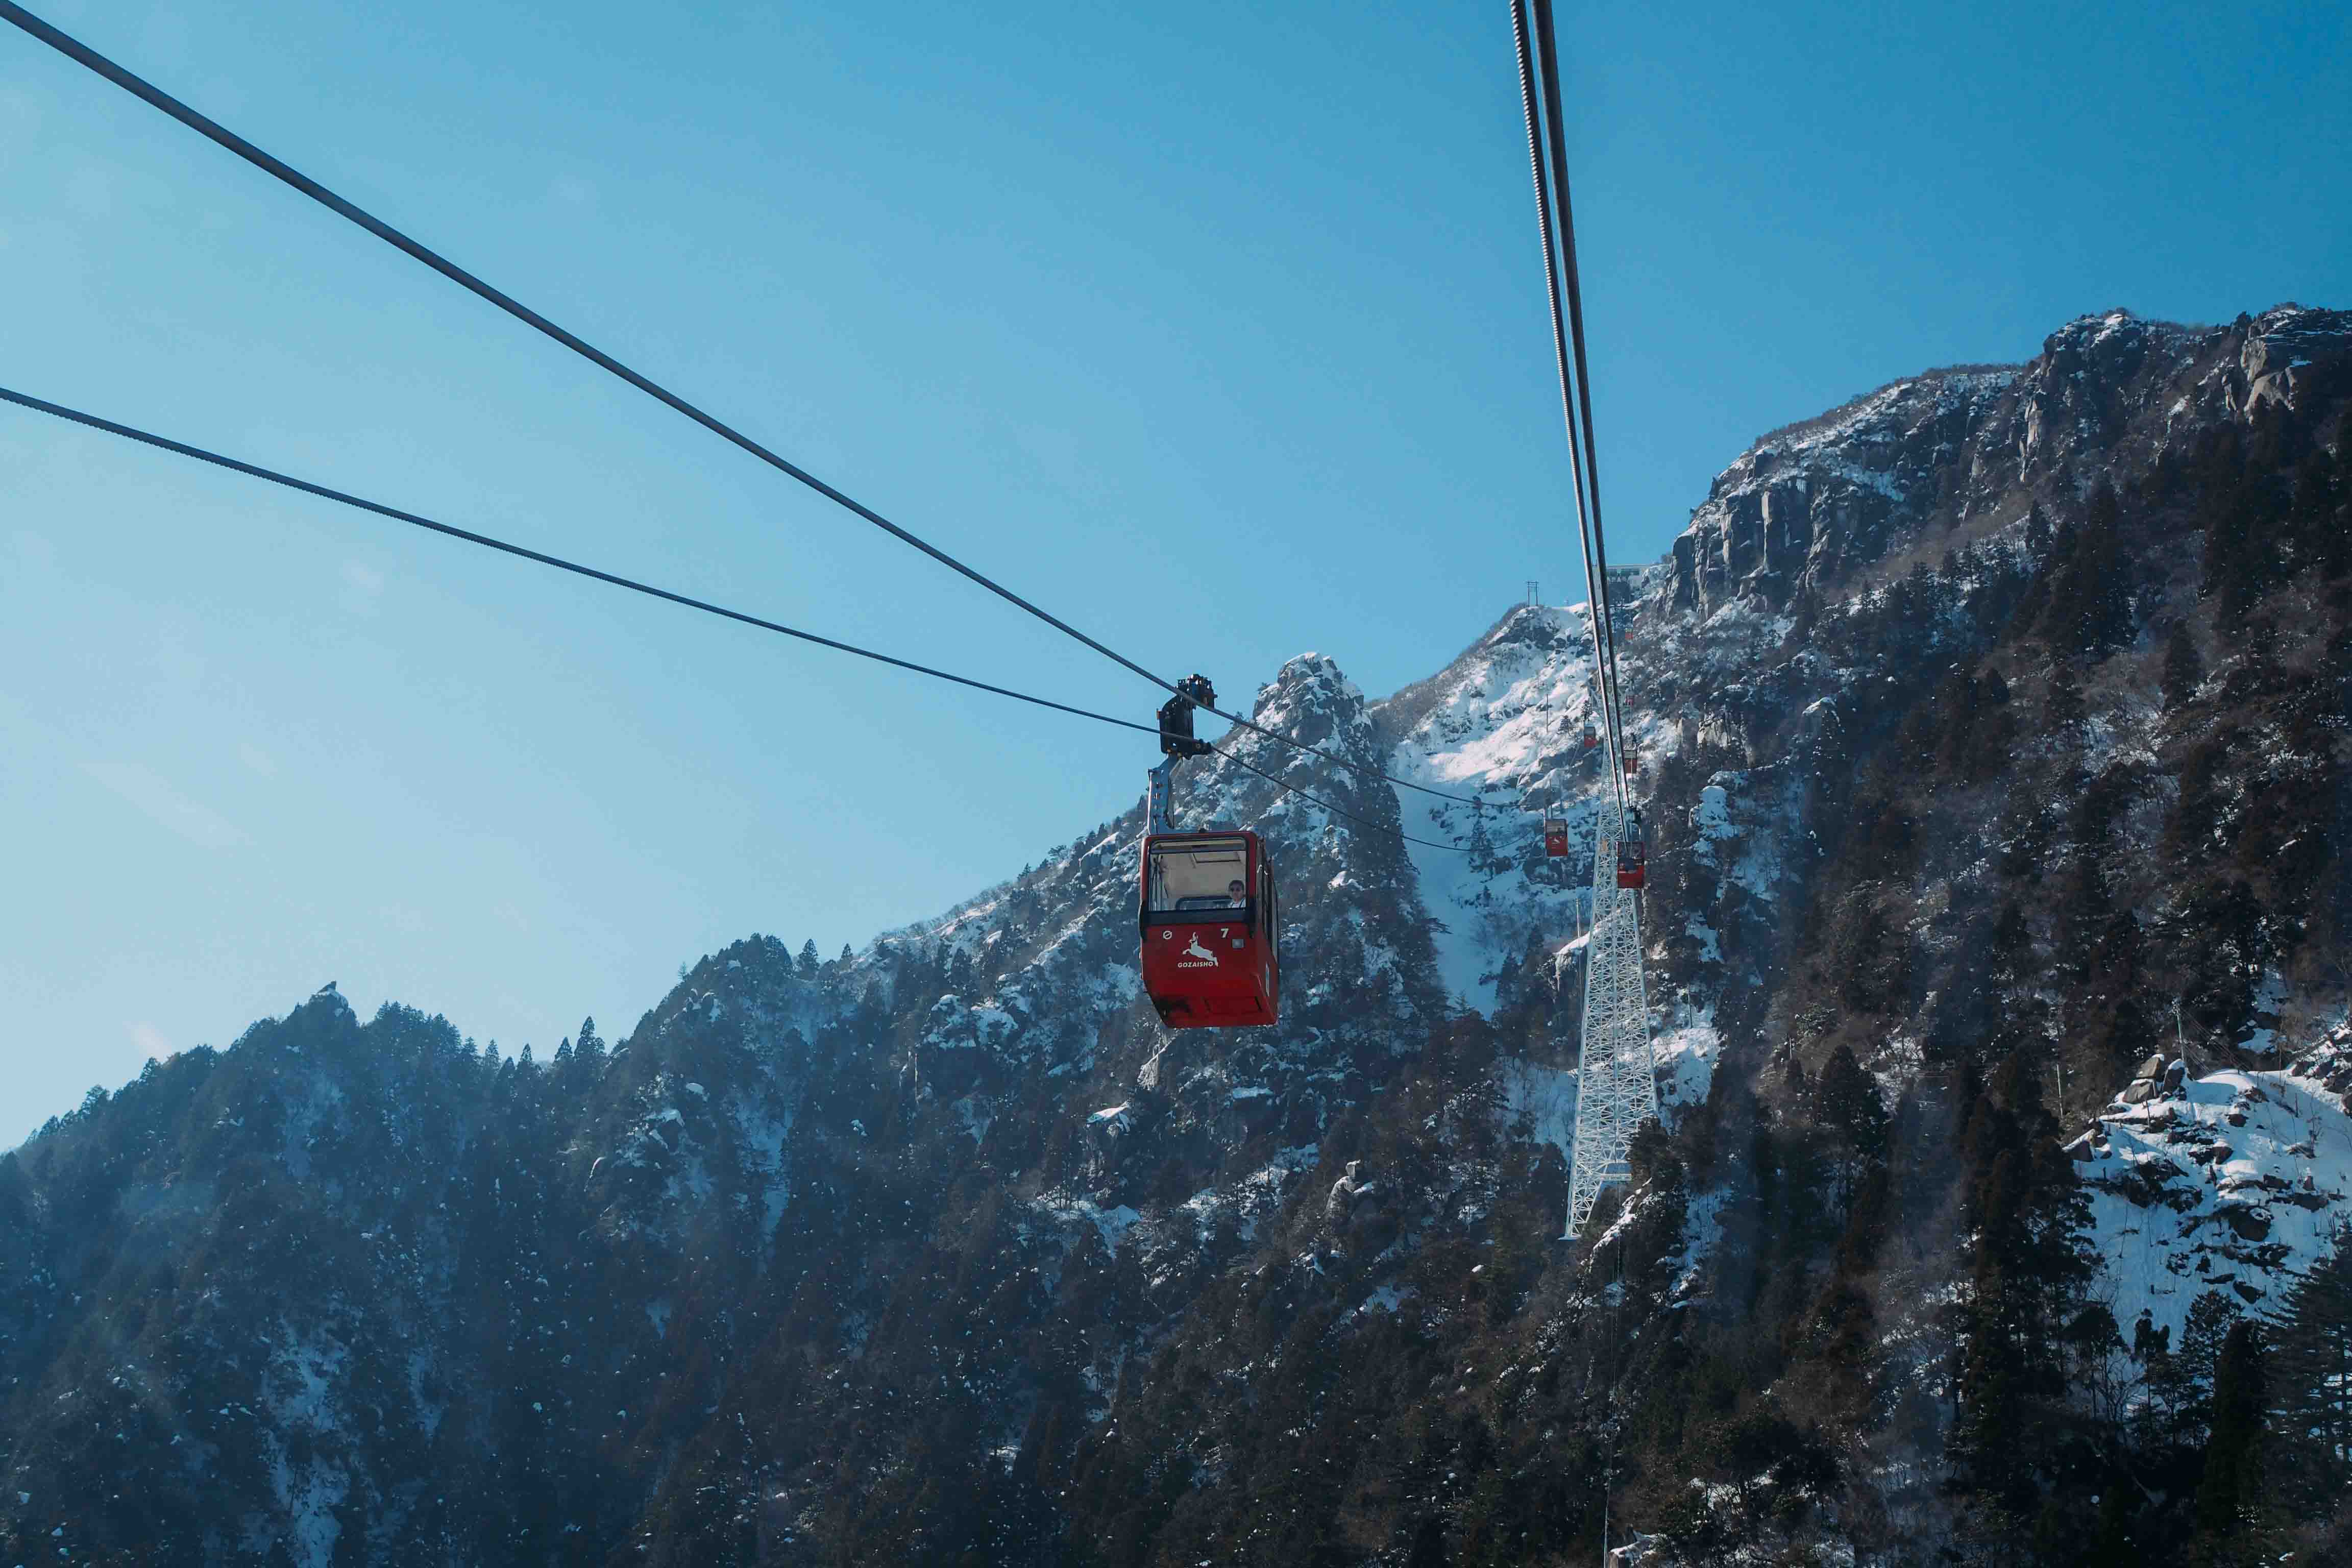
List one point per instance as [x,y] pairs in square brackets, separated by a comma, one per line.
[1995,755]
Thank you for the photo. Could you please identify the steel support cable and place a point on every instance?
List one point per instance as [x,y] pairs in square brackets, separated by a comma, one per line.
[1547,57]
[1558,328]
[1338,811]
[343,498]
[278,168]
[1255,728]
[1561,358]
[1548,53]
[164,443]
[1595,580]
[211,130]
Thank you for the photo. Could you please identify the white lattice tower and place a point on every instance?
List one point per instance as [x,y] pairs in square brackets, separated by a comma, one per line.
[1616,1078]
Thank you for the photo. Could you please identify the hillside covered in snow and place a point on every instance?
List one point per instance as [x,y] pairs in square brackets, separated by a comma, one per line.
[1994,740]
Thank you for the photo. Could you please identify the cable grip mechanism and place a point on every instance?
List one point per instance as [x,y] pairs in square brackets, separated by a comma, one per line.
[1176,744]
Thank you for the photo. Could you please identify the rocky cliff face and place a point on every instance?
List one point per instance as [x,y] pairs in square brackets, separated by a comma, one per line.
[945,1251]
[1812,503]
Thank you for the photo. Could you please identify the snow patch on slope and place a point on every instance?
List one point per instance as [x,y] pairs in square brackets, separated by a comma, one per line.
[1505,729]
[2233,1184]
[1685,1054]
[1546,1097]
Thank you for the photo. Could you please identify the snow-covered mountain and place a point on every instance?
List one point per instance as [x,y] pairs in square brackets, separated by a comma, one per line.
[945,1250]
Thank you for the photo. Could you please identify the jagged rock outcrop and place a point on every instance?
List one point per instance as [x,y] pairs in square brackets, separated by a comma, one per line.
[1813,503]
[2235,1181]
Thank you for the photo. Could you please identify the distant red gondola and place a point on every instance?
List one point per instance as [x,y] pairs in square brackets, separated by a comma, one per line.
[1555,832]
[1632,862]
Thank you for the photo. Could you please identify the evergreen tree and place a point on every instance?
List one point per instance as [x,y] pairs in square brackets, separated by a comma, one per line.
[2231,1487]
[2083,910]
[2201,1336]
[2126,1036]
[2183,670]
[2151,1347]
[2024,833]
[15,1192]
[1483,860]
[2239,510]
[2115,972]
[1847,1100]
[1994,743]
[2113,1548]
[1869,953]
[2089,605]
[2026,1271]
[2010,951]
[2311,1384]
[2034,596]
[2321,514]
[2061,709]
[808,965]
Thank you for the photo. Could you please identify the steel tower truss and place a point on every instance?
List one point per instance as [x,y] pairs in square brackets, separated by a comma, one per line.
[1616,1075]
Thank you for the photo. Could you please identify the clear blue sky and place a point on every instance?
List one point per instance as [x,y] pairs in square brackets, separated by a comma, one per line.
[1217,327]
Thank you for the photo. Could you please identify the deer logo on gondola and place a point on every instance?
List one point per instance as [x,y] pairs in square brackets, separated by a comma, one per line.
[1197,950]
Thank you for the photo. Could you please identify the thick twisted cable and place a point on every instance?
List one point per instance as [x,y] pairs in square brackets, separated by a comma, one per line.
[1595,581]
[1338,811]
[1548,53]
[325,492]
[278,168]
[211,130]
[182,448]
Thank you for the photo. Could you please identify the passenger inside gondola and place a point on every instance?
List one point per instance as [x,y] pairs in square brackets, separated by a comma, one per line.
[1204,874]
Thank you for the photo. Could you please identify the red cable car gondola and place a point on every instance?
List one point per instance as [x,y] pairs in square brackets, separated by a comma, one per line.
[1632,861]
[1210,921]
[1591,737]
[1555,832]
[1207,909]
